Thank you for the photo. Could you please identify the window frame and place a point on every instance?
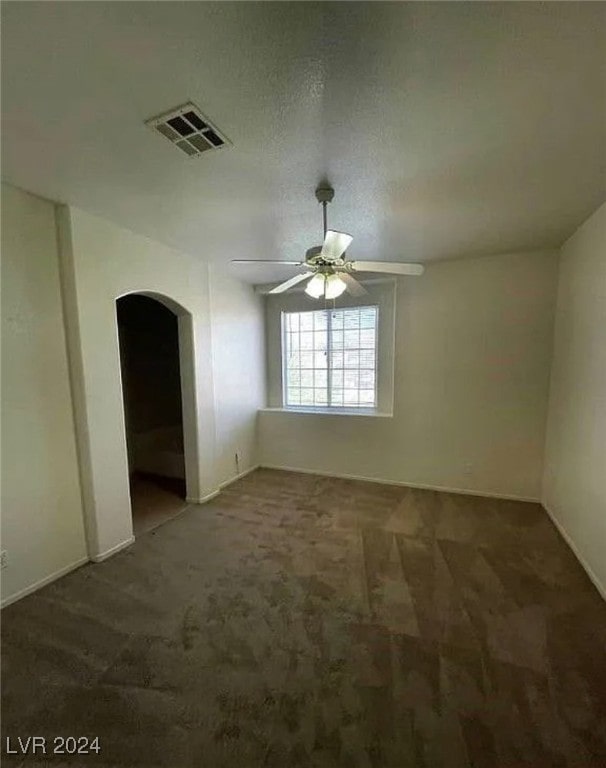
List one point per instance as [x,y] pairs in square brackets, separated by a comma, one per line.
[382,292]
[330,407]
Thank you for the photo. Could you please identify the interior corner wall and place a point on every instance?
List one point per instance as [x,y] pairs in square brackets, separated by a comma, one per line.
[238,342]
[574,489]
[101,263]
[472,362]
[42,524]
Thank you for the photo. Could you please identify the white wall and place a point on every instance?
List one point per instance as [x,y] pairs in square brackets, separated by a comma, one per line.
[574,488]
[472,362]
[58,511]
[239,371]
[42,528]
[100,263]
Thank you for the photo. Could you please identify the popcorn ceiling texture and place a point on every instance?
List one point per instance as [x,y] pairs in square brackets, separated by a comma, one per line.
[446,129]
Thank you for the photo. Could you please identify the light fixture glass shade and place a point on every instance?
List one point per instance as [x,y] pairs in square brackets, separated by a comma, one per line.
[315,287]
[334,287]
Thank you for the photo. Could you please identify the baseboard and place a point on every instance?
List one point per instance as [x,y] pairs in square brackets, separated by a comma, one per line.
[223,485]
[568,539]
[43,582]
[238,477]
[113,550]
[421,486]
[202,499]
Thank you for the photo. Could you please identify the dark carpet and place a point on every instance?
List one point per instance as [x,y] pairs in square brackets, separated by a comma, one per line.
[305,621]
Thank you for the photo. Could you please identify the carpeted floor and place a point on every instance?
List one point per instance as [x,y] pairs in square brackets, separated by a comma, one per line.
[154,500]
[306,621]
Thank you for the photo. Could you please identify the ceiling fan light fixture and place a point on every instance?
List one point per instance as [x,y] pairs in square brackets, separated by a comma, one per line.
[334,287]
[315,287]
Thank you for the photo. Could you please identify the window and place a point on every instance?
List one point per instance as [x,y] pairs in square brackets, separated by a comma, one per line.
[330,358]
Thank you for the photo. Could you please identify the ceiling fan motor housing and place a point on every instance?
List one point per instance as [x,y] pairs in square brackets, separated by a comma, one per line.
[313,258]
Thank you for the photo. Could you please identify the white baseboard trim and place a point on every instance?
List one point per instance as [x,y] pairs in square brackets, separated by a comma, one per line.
[421,486]
[112,551]
[43,582]
[584,564]
[238,477]
[203,499]
[223,485]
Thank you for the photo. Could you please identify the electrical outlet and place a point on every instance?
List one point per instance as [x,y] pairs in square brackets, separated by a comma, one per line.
[468,468]
[3,558]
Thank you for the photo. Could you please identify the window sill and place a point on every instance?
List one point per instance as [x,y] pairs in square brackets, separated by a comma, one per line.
[367,412]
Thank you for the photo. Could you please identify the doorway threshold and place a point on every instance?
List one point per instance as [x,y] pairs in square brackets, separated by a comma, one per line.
[155,500]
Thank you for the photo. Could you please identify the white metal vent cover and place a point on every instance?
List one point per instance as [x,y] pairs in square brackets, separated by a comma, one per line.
[189,130]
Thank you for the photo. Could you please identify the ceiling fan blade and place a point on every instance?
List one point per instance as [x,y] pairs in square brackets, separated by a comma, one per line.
[266,261]
[290,283]
[335,244]
[390,267]
[352,285]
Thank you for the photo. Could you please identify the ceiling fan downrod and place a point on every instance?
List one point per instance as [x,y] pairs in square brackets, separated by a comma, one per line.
[324,195]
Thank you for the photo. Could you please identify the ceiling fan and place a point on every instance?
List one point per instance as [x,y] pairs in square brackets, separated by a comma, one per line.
[327,270]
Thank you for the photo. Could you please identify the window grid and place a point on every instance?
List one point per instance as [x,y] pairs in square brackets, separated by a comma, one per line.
[330,358]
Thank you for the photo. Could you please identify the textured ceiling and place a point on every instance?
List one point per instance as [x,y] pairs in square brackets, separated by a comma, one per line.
[447,129]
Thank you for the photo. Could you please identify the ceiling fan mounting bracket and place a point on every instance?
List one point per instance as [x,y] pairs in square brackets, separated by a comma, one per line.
[325,194]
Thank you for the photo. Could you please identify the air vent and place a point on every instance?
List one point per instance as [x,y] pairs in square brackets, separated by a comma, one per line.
[188,129]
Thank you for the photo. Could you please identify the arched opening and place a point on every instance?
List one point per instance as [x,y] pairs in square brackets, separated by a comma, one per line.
[150,364]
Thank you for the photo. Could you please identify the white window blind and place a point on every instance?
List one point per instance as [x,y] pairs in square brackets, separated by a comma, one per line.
[330,358]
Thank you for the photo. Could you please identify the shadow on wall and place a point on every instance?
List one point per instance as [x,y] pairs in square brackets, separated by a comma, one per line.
[151,383]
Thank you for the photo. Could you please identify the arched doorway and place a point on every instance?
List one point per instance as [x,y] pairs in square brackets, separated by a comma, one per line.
[151,374]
